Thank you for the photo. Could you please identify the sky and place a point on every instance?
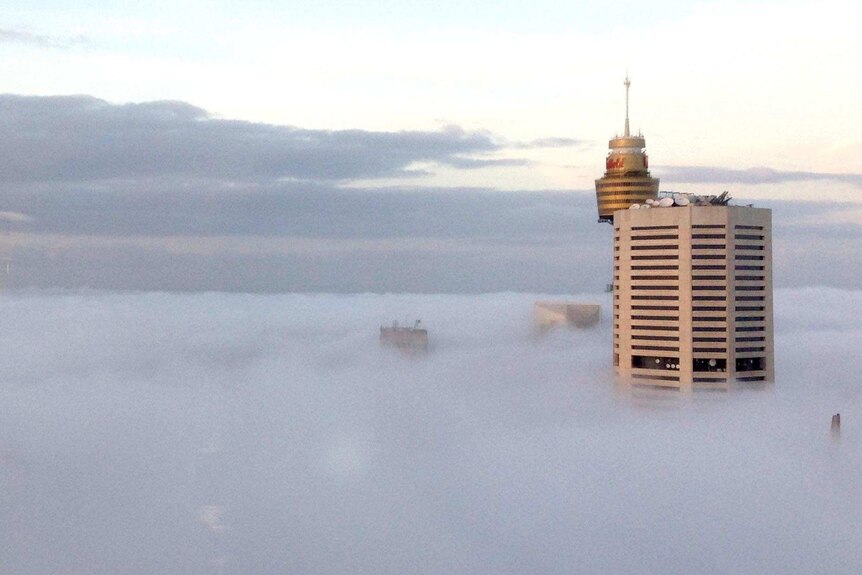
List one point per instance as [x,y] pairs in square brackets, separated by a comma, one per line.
[248,433]
[261,146]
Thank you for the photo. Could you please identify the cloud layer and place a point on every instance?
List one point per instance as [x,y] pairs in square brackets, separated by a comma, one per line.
[270,434]
[759,175]
[82,139]
[164,196]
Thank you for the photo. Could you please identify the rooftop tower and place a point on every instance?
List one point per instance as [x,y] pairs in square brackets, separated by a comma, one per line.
[627,179]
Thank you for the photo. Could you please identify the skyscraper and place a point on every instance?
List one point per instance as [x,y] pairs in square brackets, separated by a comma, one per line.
[692,280]
[627,179]
[693,295]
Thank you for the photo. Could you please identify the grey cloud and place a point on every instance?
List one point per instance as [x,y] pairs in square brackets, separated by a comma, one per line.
[293,237]
[80,138]
[470,163]
[291,209]
[299,237]
[14,217]
[161,196]
[758,175]
[13,36]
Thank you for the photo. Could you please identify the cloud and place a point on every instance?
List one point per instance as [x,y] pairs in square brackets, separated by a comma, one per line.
[84,139]
[164,196]
[13,36]
[759,175]
[14,217]
[305,238]
[552,142]
[166,433]
[295,236]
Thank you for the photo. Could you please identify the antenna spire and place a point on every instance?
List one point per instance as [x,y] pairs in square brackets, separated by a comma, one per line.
[627,83]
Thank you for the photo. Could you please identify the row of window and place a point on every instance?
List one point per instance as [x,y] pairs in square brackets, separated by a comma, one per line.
[644,337]
[656,247]
[656,237]
[743,227]
[669,287]
[746,257]
[694,277]
[747,237]
[661,257]
[658,278]
[655,297]
[655,348]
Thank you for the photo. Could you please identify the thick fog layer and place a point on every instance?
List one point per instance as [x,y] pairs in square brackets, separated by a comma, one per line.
[158,433]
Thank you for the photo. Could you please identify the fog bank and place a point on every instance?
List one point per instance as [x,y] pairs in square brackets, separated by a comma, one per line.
[227,433]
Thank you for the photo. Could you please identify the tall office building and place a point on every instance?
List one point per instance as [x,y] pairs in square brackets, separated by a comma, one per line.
[693,294]
[627,179]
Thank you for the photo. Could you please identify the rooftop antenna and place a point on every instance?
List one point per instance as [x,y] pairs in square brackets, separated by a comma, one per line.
[627,83]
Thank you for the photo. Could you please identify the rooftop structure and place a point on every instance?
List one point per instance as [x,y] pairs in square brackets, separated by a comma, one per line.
[406,338]
[549,314]
[627,178]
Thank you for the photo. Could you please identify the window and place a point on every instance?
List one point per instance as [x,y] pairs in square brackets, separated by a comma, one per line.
[663,257]
[655,347]
[750,363]
[749,268]
[655,362]
[708,267]
[657,247]
[656,237]
[714,364]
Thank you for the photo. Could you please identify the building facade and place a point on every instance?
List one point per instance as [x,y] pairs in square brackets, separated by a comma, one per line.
[693,296]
